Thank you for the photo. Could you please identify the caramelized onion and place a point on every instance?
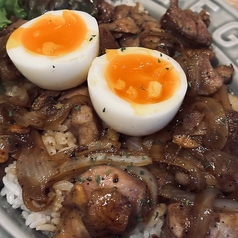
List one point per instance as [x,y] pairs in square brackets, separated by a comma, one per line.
[37,170]
[162,41]
[34,169]
[224,167]
[145,175]
[76,164]
[201,213]
[176,194]
[54,120]
[215,121]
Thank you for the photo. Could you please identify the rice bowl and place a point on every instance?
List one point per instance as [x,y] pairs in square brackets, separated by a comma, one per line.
[47,221]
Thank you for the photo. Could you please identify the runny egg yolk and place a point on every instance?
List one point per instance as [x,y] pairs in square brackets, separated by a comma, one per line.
[52,35]
[140,78]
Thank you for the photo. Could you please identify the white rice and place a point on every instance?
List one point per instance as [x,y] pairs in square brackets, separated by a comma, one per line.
[46,220]
[56,141]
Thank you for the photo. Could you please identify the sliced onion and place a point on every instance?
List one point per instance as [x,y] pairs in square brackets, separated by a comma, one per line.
[34,169]
[54,120]
[152,184]
[201,213]
[217,127]
[76,165]
[134,143]
[175,194]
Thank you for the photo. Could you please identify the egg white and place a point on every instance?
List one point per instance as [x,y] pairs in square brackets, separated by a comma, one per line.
[132,119]
[58,72]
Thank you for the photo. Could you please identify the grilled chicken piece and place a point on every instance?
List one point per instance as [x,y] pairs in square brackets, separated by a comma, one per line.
[86,124]
[109,201]
[110,177]
[108,213]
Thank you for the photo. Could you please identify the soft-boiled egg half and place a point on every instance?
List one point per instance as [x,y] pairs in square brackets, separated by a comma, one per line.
[136,91]
[55,50]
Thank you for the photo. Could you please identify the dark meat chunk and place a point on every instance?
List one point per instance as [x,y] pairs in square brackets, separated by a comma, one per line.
[126,25]
[8,71]
[187,24]
[202,78]
[149,22]
[105,12]
[7,31]
[226,72]
[107,214]
[121,11]
[107,40]
[222,224]
[130,41]
[210,79]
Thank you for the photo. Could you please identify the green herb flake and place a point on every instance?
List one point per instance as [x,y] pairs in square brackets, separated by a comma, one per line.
[123,48]
[77,108]
[91,38]
[142,202]
[207,165]
[10,113]
[223,121]
[89,179]
[124,153]
[81,180]
[143,158]
[173,198]
[136,36]
[93,160]
[159,142]
[98,179]
[156,215]
[129,166]
[159,61]
[104,110]
[187,202]
[142,172]
[108,172]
